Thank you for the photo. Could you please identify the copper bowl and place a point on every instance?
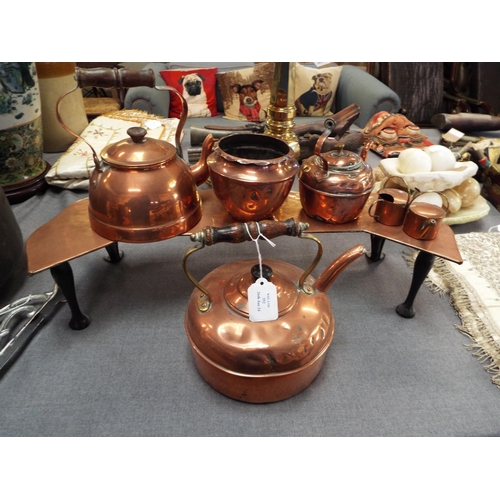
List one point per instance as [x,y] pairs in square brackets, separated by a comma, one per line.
[252,174]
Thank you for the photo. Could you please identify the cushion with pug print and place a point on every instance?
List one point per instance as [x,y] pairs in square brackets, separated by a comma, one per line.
[198,87]
[315,90]
[246,93]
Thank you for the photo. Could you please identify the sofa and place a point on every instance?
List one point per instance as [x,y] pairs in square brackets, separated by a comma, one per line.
[354,86]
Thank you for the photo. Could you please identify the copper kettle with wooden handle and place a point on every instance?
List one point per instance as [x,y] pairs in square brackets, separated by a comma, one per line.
[141,189]
[261,361]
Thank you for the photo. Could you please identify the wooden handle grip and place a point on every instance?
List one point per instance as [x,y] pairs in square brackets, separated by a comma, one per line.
[241,231]
[122,78]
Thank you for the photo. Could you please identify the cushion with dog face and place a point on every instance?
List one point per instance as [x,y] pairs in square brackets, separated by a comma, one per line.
[246,93]
[198,87]
[315,90]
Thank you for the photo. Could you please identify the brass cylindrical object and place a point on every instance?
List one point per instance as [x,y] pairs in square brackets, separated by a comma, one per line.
[281,110]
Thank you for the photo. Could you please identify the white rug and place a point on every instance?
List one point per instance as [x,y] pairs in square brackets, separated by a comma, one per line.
[474,289]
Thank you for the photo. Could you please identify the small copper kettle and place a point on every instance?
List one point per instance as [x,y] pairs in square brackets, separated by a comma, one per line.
[142,190]
[334,186]
[261,361]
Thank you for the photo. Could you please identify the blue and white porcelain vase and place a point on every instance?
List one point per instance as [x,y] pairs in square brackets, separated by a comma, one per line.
[22,167]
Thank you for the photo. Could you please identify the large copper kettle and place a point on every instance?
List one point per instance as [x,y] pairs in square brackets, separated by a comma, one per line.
[141,189]
[261,361]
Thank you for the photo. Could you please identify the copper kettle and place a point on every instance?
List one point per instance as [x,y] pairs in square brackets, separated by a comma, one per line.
[334,186]
[142,190]
[261,361]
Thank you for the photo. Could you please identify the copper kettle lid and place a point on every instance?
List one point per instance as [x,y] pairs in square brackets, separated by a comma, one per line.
[342,159]
[236,288]
[138,150]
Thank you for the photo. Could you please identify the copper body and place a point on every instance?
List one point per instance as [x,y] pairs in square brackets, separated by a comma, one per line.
[335,186]
[260,362]
[390,206]
[252,174]
[423,220]
[142,191]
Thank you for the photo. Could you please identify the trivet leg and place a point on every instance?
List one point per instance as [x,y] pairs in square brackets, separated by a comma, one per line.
[423,264]
[377,245]
[114,253]
[63,276]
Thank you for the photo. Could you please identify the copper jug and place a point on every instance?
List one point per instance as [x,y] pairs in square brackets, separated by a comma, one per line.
[261,361]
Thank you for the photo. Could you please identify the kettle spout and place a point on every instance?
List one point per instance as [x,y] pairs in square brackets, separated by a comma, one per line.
[329,275]
[200,170]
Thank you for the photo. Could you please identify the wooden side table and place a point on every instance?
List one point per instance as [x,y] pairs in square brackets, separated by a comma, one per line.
[69,236]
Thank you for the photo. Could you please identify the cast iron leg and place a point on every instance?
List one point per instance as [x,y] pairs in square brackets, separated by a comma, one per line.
[63,276]
[114,254]
[423,264]
[377,245]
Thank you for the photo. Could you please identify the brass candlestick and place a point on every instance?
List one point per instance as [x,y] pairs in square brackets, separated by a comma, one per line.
[281,110]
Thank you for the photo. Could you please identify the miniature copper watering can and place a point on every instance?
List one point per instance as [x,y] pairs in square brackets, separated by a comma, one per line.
[391,204]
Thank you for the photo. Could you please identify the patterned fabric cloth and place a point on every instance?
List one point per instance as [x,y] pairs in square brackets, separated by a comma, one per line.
[72,170]
[474,289]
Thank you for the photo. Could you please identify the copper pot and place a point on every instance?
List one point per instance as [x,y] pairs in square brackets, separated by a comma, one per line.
[334,186]
[252,174]
[263,361]
[422,220]
[141,190]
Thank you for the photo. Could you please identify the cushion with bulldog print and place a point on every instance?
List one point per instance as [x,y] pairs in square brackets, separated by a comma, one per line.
[315,90]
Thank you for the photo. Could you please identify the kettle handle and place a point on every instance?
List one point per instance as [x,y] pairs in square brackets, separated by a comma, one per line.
[240,232]
[120,78]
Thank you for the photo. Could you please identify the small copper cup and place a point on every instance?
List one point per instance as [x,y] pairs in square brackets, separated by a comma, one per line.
[390,207]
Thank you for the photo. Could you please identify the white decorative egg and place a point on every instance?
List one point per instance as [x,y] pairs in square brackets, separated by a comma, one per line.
[431,198]
[414,160]
[441,158]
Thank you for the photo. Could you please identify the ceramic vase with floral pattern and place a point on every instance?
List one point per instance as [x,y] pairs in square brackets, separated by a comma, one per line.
[21,139]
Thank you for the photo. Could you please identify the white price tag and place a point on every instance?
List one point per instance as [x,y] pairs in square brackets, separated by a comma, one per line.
[262,301]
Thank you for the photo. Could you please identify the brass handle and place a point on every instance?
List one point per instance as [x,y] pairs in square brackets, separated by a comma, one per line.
[238,233]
